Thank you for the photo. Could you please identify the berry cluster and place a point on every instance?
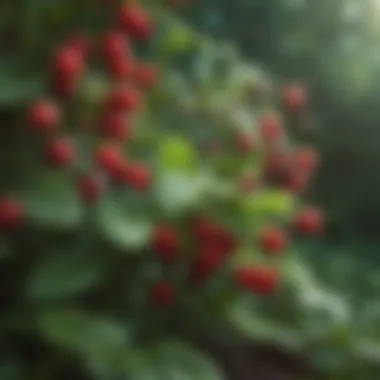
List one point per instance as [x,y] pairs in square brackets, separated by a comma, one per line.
[214,243]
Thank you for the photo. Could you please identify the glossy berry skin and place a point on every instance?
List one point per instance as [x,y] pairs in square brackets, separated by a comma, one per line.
[68,64]
[89,188]
[258,280]
[295,97]
[206,263]
[43,115]
[108,157]
[308,221]
[271,127]
[135,21]
[123,99]
[272,240]
[11,213]
[163,294]
[60,152]
[306,159]
[115,125]
[79,42]
[138,176]
[165,243]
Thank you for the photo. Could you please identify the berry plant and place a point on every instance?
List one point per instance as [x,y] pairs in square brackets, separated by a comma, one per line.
[147,196]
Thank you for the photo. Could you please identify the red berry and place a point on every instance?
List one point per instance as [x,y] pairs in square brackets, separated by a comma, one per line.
[79,42]
[89,188]
[163,294]
[308,221]
[203,229]
[270,127]
[295,97]
[117,54]
[108,157]
[11,213]
[258,280]
[115,125]
[60,152]
[272,240]
[68,64]
[42,115]
[306,159]
[123,99]
[134,20]
[138,176]
[165,243]
[145,75]
[114,45]
[207,261]
[295,181]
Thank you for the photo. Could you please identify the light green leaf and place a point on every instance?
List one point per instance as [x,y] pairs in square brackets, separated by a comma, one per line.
[175,152]
[52,201]
[176,192]
[64,274]
[125,230]
[269,202]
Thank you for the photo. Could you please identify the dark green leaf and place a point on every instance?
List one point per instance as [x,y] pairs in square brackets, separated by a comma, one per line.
[64,274]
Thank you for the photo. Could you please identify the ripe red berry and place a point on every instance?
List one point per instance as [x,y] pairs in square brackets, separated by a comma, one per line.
[115,125]
[295,97]
[11,213]
[295,181]
[207,261]
[114,44]
[165,243]
[308,221]
[89,188]
[272,240]
[43,115]
[79,42]
[306,159]
[138,176]
[123,99]
[60,152]
[135,21]
[259,280]
[68,64]
[203,229]
[270,127]
[108,157]
[117,54]
[145,75]
[163,294]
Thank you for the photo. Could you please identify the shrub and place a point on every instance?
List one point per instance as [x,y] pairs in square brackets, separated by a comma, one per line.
[135,195]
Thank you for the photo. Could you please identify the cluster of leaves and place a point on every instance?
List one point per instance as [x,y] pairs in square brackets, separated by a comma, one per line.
[139,195]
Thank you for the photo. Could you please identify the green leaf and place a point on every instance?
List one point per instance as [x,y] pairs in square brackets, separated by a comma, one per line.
[17,86]
[175,152]
[125,230]
[176,192]
[88,335]
[52,201]
[176,360]
[269,202]
[64,274]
